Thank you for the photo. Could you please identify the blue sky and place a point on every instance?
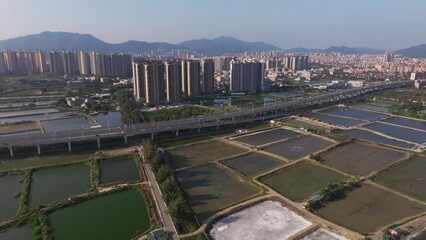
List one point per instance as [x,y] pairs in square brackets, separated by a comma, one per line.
[386,24]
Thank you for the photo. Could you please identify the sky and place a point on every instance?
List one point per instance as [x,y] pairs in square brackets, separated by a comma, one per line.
[381,24]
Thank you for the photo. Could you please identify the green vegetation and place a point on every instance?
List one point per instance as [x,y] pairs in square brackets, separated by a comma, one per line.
[408,109]
[129,112]
[41,228]
[179,209]
[94,175]
[23,199]
[178,113]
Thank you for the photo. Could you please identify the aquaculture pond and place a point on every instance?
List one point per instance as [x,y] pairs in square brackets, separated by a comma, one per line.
[10,186]
[355,113]
[120,169]
[417,124]
[110,119]
[122,215]
[265,137]
[338,121]
[66,124]
[399,132]
[57,183]
[368,136]
[18,233]
[252,164]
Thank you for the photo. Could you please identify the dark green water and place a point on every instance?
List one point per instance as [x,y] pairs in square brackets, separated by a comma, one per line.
[119,216]
[18,233]
[57,183]
[9,187]
[118,170]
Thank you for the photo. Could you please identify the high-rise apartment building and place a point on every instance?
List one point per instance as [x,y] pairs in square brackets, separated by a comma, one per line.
[207,76]
[173,81]
[246,76]
[191,77]
[388,57]
[148,82]
[296,63]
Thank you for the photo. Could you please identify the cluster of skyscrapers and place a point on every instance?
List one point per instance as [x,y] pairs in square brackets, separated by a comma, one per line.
[66,62]
[22,61]
[165,82]
[97,64]
[296,63]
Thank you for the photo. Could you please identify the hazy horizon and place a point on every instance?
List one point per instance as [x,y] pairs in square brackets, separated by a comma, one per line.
[387,25]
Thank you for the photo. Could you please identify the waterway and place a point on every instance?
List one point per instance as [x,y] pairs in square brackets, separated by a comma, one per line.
[10,186]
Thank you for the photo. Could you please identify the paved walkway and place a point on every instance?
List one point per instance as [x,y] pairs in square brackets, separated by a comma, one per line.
[158,198]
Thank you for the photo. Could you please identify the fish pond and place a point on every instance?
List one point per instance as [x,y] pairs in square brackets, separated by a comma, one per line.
[118,169]
[122,215]
[10,186]
[58,183]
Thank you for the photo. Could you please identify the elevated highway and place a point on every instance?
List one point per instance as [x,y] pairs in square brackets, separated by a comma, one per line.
[278,109]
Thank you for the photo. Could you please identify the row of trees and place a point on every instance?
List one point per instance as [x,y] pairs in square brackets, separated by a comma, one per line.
[129,113]
[409,109]
[178,208]
[178,113]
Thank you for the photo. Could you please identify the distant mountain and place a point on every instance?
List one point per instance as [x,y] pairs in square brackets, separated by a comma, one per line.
[47,41]
[415,52]
[343,50]
[226,44]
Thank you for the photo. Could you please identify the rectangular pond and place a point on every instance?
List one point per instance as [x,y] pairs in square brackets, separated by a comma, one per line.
[65,124]
[10,186]
[302,180]
[359,158]
[417,124]
[58,183]
[368,208]
[379,107]
[17,233]
[18,113]
[200,153]
[122,215]
[369,136]
[355,113]
[399,132]
[333,120]
[252,164]
[299,147]
[408,177]
[117,170]
[211,188]
[261,138]
[110,119]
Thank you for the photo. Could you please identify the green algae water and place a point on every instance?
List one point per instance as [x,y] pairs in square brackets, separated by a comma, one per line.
[117,216]
[58,183]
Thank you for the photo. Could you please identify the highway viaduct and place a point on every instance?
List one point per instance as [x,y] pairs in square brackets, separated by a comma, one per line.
[275,110]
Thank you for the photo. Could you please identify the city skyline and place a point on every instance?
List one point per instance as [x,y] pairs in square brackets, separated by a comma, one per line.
[388,25]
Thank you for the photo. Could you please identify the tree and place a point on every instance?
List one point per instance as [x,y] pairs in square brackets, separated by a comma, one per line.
[163,173]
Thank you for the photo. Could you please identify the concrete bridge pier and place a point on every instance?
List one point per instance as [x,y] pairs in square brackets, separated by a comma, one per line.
[125,139]
[99,142]
[152,135]
[11,151]
[39,149]
[177,132]
[69,146]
